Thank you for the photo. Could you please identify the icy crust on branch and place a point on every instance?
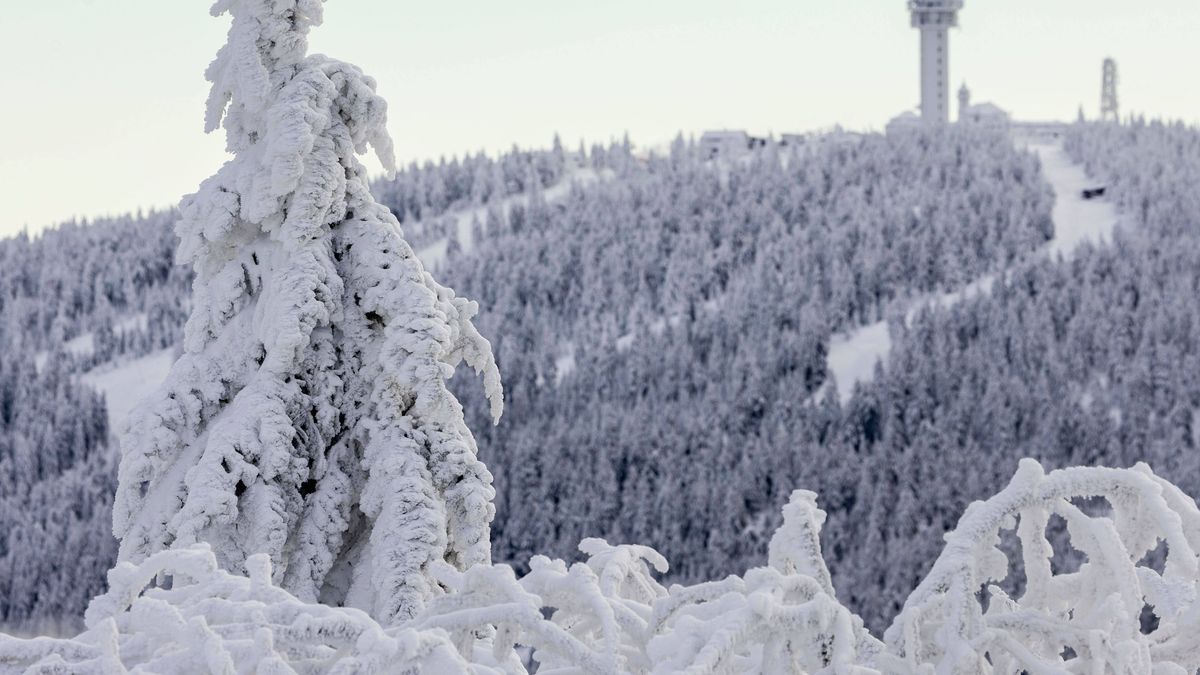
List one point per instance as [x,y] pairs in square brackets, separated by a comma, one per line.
[309,417]
[610,615]
[1089,620]
[210,621]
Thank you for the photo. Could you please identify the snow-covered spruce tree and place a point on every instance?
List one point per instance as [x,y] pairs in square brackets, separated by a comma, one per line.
[308,417]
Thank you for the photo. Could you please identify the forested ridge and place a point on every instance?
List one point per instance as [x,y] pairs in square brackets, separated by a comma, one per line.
[662,337]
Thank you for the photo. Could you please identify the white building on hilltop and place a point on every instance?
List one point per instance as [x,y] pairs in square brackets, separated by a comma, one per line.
[905,121]
[984,114]
[935,18]
[725,143]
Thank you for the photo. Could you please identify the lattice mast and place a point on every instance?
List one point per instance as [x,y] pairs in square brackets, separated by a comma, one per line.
[935,18]
[1110,110]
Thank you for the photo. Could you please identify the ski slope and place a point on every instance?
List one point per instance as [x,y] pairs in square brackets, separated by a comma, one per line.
[434,255]
[125,385]
[853,355]
[1077,221]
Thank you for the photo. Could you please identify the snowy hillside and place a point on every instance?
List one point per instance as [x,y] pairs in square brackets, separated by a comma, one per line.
[853,355]
[1076,220]
[465,222]
[596,290]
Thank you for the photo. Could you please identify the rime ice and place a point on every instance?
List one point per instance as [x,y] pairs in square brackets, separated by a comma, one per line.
[308,418]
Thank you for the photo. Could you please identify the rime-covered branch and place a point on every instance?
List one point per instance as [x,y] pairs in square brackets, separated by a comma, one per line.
[1091,616]
[609,614]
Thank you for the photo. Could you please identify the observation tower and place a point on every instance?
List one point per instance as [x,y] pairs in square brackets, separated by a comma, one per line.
[935,18]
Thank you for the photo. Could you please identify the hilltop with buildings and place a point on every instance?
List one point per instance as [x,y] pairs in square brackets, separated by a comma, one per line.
[934,20]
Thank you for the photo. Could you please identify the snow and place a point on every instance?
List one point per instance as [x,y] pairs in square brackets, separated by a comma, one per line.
[610,614]
[1076,220]
[84,344]
[853,355]
[1093,613]
[434,255]
[947,300]
[564,365]
[124,386]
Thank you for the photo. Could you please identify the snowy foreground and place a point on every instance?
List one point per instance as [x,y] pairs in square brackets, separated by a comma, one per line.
[609,615]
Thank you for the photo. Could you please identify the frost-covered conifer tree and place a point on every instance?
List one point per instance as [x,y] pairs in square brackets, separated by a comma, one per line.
[308,417]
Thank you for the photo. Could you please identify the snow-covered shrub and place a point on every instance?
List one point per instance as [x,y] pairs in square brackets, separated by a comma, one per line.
[204,619]
[308,417]
[609,614]
[1088,620]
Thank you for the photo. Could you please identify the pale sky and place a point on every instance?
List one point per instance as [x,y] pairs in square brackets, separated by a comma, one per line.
[103,105]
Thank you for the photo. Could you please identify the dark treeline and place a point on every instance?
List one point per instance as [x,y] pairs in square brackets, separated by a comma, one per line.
[56,491]
[421,194]
[84,277]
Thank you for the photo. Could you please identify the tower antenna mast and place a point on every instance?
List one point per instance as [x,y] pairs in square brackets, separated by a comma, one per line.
[935,18]
[1110,111]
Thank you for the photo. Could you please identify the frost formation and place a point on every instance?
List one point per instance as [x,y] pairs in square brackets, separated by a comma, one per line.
[610,615]
[308,417]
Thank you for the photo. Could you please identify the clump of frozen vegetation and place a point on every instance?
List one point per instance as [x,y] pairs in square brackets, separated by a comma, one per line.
[610,615]
[308,417]
[1124,610]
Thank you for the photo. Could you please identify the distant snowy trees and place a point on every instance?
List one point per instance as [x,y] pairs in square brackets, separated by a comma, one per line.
[1149,168]
[72,297]
[422,193]
[308,417]
[56,489]
[696,302]
[81,277]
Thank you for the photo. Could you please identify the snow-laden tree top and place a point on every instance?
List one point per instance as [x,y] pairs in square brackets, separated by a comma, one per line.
[308,418]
